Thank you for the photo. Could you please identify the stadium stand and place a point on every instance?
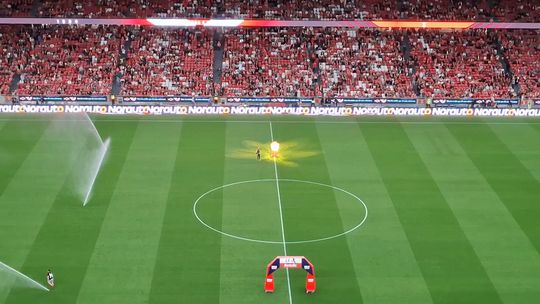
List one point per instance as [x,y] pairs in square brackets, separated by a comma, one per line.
[312,9]
[477,10]
[522,48]
[15,8]
[516,10]
[363,63]
[169,62]
[458,64]
[75,60]
[272,62]
[79,60]
[129,8]
[15,43]
[462,10]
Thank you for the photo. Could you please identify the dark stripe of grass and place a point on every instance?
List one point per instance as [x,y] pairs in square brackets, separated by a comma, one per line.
[189,256]
[17,138]
[508,177]
[332,259]
[67,238]
[451,269]
[535,126]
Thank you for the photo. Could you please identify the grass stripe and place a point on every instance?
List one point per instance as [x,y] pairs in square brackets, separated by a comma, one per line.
[122,264]
[188,259]
[17,138]
[2,124]
[249,210]
[452,270]
[506,175]
[31,191]
[314,218]
[489,227]
[76,227]
[381,251]
[523,141]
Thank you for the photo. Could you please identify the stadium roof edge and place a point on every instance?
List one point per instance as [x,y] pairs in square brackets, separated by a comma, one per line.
[179,22]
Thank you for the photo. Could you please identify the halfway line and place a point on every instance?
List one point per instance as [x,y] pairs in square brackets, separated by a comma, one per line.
[281,216]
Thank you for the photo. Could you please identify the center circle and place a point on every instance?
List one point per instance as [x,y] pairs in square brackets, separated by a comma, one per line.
[358,221]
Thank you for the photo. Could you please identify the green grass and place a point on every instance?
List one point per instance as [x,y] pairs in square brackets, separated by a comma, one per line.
[453,210]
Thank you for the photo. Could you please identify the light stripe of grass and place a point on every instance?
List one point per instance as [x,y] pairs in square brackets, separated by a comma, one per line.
[304,219]
[17,138]
[381,251]
[506,253]
[122,264]
[2,124]
[249,210]
[67,238]
[31,189]
[507,175]
[451,269]
[187,265]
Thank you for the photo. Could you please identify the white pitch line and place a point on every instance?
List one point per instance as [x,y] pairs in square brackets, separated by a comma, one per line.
[281,216]
[18,273]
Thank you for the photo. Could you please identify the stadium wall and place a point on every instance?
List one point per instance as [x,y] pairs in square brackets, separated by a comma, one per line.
[264,100]
[180,110]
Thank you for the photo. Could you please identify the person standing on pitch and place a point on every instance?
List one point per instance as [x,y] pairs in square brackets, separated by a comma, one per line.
[50,278]
[258,152]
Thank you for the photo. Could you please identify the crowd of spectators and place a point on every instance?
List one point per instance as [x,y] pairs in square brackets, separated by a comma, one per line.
[516,10]
[72,61]
[455,10]
[129,8]
[169,62]
[270,62]
[334,62]
[363,63]
[460,64]
[522,48]
[273,62]
[15,43]
[466,10]
[312,9]
[15,8]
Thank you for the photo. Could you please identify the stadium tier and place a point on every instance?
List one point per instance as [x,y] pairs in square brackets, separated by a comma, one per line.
[522,48]
[469,10]
[287,62]
[168,62]
[272,61]
[15,8]
[75,60]
[459,64]
[363,63]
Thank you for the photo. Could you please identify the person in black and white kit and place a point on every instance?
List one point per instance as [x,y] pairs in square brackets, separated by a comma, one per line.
[258,152]
[50,278]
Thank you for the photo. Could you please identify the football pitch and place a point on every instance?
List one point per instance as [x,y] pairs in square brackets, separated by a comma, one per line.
[388,210]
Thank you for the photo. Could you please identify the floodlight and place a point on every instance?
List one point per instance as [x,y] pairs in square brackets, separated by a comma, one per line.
[274,146]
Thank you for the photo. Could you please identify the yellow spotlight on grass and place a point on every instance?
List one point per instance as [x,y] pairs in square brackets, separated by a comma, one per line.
[274,148]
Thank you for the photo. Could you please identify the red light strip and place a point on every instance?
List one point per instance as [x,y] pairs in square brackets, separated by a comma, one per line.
[179,22]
